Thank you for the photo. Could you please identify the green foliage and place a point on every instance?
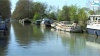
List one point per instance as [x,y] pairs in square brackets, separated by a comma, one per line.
[28,9]
[38,10]
[60,16]
[64,14]
[39,7]
[73,12]
[37,16]
[52,15]
[23,9]
[91,12]
[5,8]
[82,16]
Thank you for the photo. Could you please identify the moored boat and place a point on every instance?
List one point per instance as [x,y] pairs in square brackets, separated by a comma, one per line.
[93,25]
[75,28]
[46,22]
[3,26]
[38,22]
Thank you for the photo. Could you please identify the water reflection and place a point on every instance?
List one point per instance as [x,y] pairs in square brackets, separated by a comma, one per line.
[4,39]
[73,41]
[93,38]
[25,34]
[37,33]
[32,40]
[76,44]
[3,45]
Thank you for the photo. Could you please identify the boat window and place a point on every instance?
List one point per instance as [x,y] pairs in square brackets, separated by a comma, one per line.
[88,18]
[98,21]
[96,18]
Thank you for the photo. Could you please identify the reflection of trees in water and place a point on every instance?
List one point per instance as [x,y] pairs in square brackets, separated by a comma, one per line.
[27,33]
[23,34]
[46,30]
[4,41]
[75,41]
[47,33]
[8,25]
[3,45]
[38,35]
[79,43]
[93,38]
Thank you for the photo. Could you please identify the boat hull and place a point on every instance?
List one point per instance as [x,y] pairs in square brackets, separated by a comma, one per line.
[93,31]
[38,22]
[77,31]
[98,32]
[48,25]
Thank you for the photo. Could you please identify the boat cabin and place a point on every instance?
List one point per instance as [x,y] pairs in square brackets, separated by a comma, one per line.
[94,19]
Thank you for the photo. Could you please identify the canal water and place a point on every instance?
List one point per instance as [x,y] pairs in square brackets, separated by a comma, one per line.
[32,40]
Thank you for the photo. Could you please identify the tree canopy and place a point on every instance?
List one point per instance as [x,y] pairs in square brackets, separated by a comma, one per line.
[38,10]
[23,9]
[5,8]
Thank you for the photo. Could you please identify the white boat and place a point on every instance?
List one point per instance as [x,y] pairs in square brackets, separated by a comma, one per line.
[69,27]
[93,25]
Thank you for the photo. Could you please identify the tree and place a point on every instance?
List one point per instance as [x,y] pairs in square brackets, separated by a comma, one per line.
[64,13]
[52,15]
[91,12]
[73,12]
[60,16]
[37,16]
[23,9]
[40,8]
[5,8]
[82,15]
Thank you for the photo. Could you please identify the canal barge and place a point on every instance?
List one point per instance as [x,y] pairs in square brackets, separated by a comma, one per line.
[74,28]
[3,26]
[93,25]
[46,22]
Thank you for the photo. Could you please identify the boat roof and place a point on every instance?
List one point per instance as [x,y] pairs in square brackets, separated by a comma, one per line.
[46,19]
[94,15]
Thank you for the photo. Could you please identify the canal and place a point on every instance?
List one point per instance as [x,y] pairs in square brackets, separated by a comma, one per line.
[32,40]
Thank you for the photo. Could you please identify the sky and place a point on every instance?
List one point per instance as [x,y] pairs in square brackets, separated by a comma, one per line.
[57,3]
